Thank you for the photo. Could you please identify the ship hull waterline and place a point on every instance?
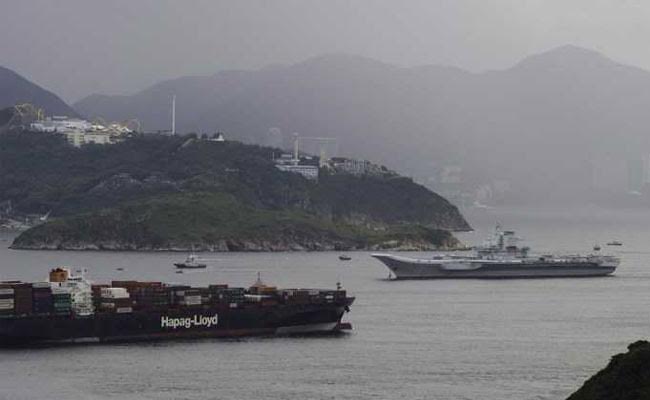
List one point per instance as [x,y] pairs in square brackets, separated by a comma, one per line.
[165,325]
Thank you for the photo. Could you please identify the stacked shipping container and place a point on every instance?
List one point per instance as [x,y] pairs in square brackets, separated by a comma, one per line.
[17,298]
[115,299]
[224,294]
[42,298]
[7,304]
[24,303]
[146,295]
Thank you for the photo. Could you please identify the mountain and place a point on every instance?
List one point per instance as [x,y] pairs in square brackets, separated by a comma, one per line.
[14,89]
[569,118]
[159,192]
[626,377]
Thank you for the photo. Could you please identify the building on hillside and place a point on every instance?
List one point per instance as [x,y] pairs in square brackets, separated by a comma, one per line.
[79,132]
[79,138]
[60,124]
[350,166]
[305,166]
[308,171]
[357,167]
[217,137]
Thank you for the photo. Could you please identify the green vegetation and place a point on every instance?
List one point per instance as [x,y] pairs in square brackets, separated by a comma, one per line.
[214,221]
[393,199]
[626,377]
[5,116]
[41,172]
[172,192]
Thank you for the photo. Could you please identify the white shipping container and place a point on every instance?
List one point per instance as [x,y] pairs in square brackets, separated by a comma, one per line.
[6,291]
[123,310]
[189,303]
[192,301]
[6,306]
[115,293]
[111,297]
[7,301]
[41,285]
[107,305]
[255,297]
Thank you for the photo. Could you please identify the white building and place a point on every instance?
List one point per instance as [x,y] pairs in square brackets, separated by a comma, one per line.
[79,131]
[308,171]
[350,166]
[218,137]
[60,124]
[79,138]
[304,166]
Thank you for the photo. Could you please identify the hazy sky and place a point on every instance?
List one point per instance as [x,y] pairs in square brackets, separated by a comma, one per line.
[79,47]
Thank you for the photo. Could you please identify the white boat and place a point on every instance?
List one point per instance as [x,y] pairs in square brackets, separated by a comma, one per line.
[500,258]
[191,262]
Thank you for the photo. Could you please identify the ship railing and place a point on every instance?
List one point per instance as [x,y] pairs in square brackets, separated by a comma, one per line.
[572,258]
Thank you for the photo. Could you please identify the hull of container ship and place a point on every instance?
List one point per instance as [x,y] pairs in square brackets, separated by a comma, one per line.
[408,268]
[216,322]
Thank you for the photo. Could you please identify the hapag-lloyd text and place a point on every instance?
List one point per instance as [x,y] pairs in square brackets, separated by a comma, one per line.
[189,322]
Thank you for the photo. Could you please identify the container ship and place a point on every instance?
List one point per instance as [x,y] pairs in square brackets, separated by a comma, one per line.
[500,257]
[68,309]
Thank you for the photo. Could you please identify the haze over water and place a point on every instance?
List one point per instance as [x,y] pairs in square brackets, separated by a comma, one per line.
[447,339]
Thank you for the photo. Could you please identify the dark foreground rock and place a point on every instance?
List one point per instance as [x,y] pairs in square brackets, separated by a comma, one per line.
[626,377]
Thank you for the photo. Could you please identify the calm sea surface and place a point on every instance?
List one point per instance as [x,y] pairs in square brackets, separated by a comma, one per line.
[448,339]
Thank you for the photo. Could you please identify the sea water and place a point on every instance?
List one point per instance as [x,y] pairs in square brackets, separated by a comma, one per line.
[445,339]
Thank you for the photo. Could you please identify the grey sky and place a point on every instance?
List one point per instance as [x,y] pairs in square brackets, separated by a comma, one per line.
[78,47]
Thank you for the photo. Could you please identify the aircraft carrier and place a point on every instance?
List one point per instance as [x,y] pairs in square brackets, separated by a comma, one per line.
[499,258]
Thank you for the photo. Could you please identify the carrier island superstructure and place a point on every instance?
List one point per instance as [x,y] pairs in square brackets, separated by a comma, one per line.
[69,308]
[500,257]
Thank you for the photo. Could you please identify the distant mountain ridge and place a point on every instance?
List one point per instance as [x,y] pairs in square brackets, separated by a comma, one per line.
[568,118]
[15,89]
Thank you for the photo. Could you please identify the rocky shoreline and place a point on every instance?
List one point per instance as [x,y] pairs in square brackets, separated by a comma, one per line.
[238,245]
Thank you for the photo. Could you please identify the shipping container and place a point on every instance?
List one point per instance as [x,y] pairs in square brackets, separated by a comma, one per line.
[114,293]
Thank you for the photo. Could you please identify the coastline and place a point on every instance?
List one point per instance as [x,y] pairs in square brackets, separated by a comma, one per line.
[247,246]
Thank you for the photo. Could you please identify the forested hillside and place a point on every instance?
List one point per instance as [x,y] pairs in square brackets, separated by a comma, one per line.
[154,191]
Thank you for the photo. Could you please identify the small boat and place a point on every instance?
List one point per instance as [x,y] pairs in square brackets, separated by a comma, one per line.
[597,247]
[343,257]
[191,262]
[119,269]
[615,243]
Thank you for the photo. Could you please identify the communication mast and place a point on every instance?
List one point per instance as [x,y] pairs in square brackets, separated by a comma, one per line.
[173,114]
[296,147]
[322,142]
